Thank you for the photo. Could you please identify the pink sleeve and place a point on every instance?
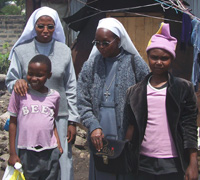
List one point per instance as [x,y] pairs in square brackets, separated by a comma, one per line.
[14,103]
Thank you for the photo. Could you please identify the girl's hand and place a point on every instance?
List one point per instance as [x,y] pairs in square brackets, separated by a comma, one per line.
[60,148]
[21,87]
[191,172]
[13,159]
[96,138]
[129,133]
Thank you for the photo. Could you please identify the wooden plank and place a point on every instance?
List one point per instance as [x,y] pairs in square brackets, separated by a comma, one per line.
[139,42]
[131,28]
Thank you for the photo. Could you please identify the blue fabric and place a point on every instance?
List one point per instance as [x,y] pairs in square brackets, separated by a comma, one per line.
[107,107]
[195,39]
[186,31]
[6,126]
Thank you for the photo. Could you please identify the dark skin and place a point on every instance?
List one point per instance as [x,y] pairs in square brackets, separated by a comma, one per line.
[36,76]
[106,35]
[159,62]
[43,36]
[111,50]
[12,135]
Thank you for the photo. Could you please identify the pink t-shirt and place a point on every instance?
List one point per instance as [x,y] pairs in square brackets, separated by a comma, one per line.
[35,114]
[158,141]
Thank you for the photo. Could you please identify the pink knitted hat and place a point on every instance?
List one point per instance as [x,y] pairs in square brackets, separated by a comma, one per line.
[163,40]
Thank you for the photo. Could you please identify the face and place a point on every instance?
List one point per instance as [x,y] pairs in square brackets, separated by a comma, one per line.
[107,43]
[44,28]
[37,76]
[159,61]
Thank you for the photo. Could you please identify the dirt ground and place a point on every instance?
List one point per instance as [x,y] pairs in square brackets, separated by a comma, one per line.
[80,149]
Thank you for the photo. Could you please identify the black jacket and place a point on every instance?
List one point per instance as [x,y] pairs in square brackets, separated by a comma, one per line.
[181,108]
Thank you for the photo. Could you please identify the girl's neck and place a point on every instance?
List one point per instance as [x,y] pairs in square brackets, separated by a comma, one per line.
[158,80]
[42,90]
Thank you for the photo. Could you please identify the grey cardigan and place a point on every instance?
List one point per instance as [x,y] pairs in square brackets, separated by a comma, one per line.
[91,81]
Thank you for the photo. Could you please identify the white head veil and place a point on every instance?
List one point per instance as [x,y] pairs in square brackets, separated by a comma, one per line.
[118,29]
[29,30]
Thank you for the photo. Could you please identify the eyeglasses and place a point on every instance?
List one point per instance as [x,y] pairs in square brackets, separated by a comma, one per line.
[104,43]
[49,26]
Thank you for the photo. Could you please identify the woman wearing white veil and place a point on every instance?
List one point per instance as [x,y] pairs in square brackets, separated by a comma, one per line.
[43,34]
[113,66]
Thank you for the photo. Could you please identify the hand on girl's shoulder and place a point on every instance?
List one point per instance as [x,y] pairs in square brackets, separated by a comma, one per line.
[21,87]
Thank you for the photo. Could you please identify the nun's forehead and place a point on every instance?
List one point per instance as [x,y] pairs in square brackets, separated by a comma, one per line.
[43,16]
[106,30]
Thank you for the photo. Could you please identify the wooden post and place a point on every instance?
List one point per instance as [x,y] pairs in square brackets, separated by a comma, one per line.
[31,5]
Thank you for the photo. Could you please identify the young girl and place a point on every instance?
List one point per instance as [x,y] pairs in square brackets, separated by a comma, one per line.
[160,115]
[33,115]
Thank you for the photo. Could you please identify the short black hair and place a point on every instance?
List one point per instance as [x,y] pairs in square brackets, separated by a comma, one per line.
[42,59]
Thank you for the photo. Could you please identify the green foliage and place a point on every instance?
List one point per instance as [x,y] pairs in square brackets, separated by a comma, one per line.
[17,8]
[4,62]
[21,4]
[11,10]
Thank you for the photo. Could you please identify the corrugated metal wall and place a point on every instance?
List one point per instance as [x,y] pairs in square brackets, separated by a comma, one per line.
[195,6]
[74,7]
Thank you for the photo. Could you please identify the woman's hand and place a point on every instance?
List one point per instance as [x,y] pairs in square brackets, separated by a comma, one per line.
[96,138]
[21,87]
[71,134]
[13,159]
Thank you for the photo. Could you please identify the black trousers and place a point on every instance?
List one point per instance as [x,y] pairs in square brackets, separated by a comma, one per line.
[147,176]
[42,165]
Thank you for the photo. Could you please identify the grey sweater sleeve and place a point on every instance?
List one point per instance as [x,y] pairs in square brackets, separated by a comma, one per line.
[14,73]
[70,86]
[84,97]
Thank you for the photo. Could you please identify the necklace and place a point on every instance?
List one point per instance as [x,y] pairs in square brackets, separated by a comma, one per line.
[106,94]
